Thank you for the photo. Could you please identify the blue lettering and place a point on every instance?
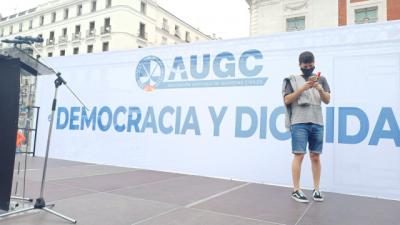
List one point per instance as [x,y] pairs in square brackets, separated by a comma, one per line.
[386,115]
[217,119]
[280,111]
[178,66]
[104,126]
[229,67]
[163,128]
[239,131]
[119,128]
[243,63]
[344,138]
[194,125]
[149,121]
[134,122]
[85,121]
[60,112]
[194,64]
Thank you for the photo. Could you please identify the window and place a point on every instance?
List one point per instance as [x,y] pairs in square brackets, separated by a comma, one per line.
[30,24]
[20,27]
[108,3]
[53,17]
[66,12]
[78,29]
[79,10]
[92,30]
[143,7]
[142,31]
[107,22]
[177,31]
[105,46]
[11,29]
[165,25]
[366,15]
[91,25]
[41,20]
[64,32]
[295,23]
[107,26]
[62,52]
[50,54]
[187,37]
[89,48]
[51,34]
[164,40]
[76,51]
[93,6]
[2,32]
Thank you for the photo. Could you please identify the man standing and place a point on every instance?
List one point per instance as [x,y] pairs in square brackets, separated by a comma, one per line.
[302,96]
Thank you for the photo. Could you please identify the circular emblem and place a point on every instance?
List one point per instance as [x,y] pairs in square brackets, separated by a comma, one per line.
[150,73]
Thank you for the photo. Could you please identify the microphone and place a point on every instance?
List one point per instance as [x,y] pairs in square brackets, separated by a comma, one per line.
[17,42]
[30,39]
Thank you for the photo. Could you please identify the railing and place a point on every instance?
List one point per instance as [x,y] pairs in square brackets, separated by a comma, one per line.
[142,35]
[76,36]
[105,30]
[50,41]
[62,39]
[91,33]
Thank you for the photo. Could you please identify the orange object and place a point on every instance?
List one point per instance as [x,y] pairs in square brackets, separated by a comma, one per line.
[20,138]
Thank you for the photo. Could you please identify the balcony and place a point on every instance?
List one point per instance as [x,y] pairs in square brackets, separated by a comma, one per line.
[90,34]
[105,30]
[178,34]
[63,39]
[76,37]
[50,42]
[39,45]
[165,28]
[143,35]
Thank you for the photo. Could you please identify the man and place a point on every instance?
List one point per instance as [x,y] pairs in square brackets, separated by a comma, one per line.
[302,96]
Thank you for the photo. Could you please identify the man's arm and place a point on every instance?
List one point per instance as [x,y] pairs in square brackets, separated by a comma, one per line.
[325,96]
[290,98]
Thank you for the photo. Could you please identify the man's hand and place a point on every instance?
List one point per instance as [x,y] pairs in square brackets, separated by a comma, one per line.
[295,95]
[309,84]
[325,96]
[318,86]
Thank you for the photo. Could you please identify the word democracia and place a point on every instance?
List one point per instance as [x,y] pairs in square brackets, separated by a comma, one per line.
[248,122]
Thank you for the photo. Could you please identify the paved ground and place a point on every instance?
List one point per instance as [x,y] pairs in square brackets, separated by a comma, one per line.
[105,195]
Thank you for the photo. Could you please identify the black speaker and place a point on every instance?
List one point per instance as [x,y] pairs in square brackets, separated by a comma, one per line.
[9,111]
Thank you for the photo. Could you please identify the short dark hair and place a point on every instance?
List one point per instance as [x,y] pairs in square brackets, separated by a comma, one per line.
[306,57]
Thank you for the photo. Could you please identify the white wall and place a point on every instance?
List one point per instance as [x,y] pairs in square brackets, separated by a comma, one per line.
[361,149]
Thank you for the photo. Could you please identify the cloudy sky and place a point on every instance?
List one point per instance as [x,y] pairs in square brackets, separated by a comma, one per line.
[225,18]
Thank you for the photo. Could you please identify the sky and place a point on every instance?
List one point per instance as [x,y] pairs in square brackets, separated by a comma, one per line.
[226,18]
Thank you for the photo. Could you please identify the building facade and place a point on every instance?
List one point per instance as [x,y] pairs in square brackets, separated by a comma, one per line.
[273,16]
[84,26]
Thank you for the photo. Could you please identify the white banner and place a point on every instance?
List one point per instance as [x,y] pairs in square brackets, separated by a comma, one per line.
[215,108]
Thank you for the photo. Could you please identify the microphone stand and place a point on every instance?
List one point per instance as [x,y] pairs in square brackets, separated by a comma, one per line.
[40,202]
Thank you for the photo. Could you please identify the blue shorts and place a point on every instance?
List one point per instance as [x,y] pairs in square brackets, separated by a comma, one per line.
[304,133]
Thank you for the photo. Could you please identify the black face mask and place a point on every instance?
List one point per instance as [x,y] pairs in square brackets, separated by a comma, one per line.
[307,72]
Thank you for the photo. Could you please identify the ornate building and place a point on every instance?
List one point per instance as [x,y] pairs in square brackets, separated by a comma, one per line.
[272,16]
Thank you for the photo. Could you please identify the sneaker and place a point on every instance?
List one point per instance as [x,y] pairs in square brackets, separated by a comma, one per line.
[299,196]
[318,197]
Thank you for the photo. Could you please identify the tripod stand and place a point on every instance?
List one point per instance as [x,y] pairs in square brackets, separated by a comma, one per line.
[40,202]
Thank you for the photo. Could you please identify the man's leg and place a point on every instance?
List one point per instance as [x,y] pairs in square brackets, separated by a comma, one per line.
[296,170]
[316,169]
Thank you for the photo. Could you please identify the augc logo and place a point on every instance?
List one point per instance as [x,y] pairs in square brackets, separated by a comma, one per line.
[223,70]
[150,73]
